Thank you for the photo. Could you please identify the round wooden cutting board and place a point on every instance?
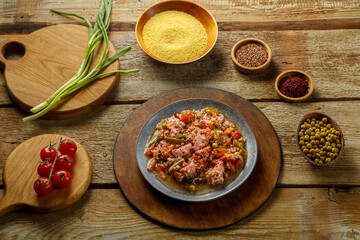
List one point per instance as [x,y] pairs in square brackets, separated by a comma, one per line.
[203,215]
[52,55]
[20,173]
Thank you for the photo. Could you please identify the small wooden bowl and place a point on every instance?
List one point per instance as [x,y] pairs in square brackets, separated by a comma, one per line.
[194,9]
[250,70]
[317,116]
[291,73]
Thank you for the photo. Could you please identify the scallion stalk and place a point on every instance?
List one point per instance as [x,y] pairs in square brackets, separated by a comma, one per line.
[97,34]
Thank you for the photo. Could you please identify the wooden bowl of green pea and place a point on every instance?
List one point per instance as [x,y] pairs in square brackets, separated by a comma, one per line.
[320,139]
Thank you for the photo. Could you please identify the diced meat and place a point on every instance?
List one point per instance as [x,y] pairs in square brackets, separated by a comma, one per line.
[189,169]
[220,118]
[216,174]
[204,123]
[161,147]
[203,153]
[200,141]
[223,139]
[182,151]
[178,176]
[175,126]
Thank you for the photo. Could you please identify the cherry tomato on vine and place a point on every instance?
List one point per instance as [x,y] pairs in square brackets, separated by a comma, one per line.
[61,179]
[40,186]
[44,169]
[48,153]
[68,147]
[64,162]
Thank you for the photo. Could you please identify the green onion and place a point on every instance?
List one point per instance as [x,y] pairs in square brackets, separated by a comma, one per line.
[96,34]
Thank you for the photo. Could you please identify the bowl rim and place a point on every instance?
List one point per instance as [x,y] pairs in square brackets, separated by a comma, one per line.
[165,2]
[342,139]
[292,99]
[246,40]
[248,168]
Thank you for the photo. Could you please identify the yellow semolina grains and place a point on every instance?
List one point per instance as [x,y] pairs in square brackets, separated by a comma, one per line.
[174,36]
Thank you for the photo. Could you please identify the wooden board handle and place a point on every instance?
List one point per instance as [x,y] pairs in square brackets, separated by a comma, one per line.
[8,205]
[11,50]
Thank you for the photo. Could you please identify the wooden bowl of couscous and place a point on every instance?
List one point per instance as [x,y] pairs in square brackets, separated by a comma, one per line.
[176,32]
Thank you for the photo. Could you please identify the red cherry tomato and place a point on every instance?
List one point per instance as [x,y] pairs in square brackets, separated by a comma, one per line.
[48,153]
[64,162]
[44,169]
[40,186]
[61,179]
[68,147]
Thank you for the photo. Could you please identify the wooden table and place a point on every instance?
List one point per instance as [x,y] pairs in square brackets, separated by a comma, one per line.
[319,37]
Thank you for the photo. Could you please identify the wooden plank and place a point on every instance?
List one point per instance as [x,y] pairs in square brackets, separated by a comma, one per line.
[97,132]
[334,64]
[25,16]
[319,213]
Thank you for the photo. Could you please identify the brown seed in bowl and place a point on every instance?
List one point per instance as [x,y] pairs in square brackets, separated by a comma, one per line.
[251,55]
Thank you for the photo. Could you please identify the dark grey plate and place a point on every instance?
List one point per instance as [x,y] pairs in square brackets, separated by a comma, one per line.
[182,194]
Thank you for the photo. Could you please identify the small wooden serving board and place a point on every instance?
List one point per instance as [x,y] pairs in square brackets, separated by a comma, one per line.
[52,55]
[217,213]
[20,173]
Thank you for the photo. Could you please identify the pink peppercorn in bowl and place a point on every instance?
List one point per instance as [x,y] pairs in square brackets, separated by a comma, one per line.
[251,55]
[294,86]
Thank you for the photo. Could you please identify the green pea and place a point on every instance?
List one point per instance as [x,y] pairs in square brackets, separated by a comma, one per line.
[311,151]
[328,160]
[324,120]
[335,150]
[215,145]
[301,143]
[321,123]
[329,148]
[338,145]
[301,134]
[328,126]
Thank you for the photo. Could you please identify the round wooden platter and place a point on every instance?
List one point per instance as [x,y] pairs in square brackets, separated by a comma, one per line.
[204,215]
[20,173]
[52,55]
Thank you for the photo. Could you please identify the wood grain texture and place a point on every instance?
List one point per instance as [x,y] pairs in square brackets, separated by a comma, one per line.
[51,57]
[189,215]
[26,16]
[20,173]
[334,65]
[294,213]
[106,121]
